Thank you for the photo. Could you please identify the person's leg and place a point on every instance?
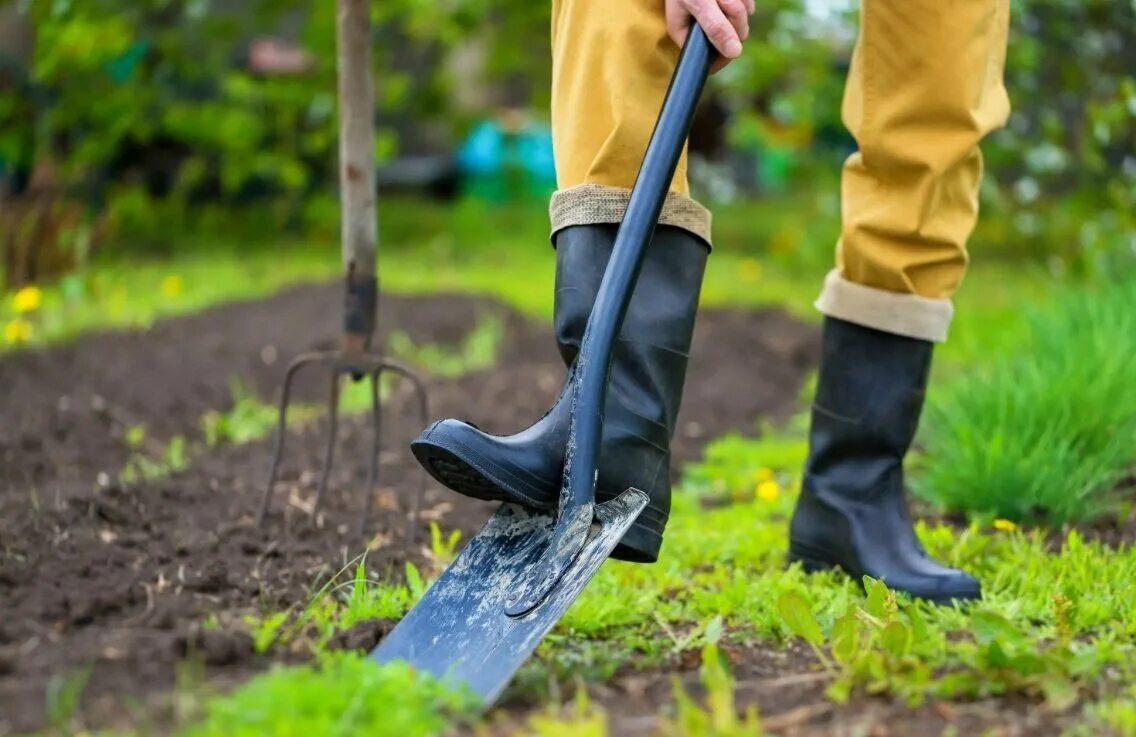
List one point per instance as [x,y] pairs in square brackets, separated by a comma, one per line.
[924,88]
[612,63]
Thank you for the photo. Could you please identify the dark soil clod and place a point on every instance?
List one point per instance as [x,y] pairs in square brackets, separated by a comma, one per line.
[218,648]
[363,636]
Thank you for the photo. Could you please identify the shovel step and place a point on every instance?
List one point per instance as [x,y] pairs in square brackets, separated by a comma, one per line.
[460,633]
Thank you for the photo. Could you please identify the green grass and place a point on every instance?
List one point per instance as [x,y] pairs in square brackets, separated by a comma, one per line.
[1043,434]
[1058,624]
[343,694]
[135,291]
[768,253]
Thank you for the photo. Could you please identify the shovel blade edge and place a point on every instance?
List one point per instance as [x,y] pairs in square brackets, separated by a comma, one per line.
[459,631]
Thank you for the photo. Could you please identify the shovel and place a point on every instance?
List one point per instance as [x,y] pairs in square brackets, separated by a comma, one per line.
[487,612]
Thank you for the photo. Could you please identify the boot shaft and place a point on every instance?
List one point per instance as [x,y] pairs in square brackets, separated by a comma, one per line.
[651,355]
[869,398]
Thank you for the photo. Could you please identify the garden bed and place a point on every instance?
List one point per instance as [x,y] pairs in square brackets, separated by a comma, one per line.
[132,580]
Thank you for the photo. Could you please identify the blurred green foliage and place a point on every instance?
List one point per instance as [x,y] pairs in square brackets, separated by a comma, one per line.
[1066,164]
[111,77]
[114,75]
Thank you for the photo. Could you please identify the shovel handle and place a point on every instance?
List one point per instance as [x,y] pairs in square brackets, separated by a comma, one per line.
[606,319]
[593,364]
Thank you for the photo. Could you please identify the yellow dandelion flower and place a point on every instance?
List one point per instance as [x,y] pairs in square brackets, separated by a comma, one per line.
[1004,525]
[18,331]
[768,491]
[171,286]
[27,299]
[750,269]
[763,474]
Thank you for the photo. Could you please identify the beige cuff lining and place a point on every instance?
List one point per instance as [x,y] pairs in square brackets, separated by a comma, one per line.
[592,204]
[892,312]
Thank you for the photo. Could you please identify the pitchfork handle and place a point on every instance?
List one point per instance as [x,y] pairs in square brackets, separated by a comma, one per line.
[359,225]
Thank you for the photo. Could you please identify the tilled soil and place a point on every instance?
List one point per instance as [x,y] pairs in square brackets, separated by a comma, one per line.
[130,581]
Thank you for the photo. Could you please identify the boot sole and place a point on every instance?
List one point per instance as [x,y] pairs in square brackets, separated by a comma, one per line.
[811,562]
[460,469]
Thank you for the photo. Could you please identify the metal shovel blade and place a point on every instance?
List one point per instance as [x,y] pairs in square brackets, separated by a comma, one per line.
[459,631]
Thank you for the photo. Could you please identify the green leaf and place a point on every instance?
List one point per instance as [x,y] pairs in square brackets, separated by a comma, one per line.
[414,581]
[953,685]
[919,630]
[839,691]
[877,597]
[896,639]
[799,618]
[713,631]
[990,627]
[845,638]
[996,656]
[135,434]
[63,694]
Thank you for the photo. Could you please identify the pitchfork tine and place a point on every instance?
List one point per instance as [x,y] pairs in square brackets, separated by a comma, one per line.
[332,432]
[423,419]
[373,468]
[281,433]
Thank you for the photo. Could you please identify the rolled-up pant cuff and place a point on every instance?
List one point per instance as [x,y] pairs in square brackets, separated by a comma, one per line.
[900,314]
[594,204]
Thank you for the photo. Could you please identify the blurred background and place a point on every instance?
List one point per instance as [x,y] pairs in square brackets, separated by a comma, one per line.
[136,132]
[162,157]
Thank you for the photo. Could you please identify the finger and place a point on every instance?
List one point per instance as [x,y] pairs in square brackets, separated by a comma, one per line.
[738,16]
[678,23]
[717,27]
[751,7]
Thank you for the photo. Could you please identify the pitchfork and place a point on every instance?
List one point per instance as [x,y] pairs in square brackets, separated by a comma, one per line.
[355,357]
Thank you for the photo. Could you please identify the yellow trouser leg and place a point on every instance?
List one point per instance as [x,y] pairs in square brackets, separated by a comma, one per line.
[924,88]
[611,64]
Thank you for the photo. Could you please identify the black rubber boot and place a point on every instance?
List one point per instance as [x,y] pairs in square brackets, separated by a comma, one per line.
[647,374]
[852,512]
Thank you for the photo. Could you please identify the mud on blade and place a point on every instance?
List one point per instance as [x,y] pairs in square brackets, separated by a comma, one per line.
[459,631]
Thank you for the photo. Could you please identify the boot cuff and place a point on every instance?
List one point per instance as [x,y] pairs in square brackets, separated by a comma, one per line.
[892,312]
[594,204]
